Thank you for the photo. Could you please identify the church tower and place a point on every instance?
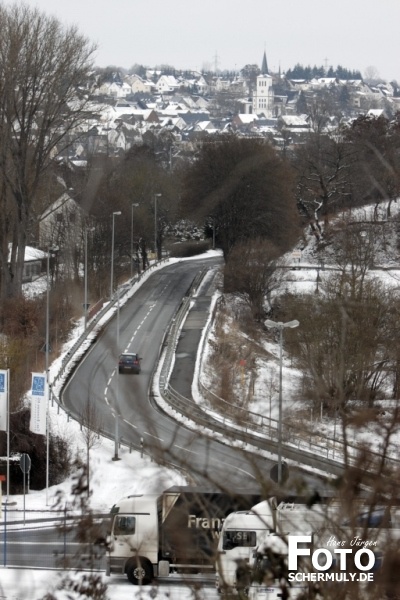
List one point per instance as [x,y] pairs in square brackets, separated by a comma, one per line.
[263,96]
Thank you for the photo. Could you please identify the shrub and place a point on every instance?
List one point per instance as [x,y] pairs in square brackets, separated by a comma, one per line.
[23,440]
[190,248]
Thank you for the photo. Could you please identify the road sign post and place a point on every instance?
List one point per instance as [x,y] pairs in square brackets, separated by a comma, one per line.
[25,465]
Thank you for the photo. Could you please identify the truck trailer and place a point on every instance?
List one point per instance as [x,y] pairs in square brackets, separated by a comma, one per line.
[177,530]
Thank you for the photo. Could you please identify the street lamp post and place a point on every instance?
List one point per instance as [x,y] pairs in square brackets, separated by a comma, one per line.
[116,416]
[280,326]
[85,299]
[50,250]
[118,212]
[213,234]
[132,207]
[155,224]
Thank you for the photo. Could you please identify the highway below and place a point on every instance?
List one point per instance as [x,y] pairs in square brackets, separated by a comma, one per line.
[140,327]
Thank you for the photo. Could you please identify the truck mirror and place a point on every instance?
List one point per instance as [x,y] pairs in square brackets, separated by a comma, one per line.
[163,568]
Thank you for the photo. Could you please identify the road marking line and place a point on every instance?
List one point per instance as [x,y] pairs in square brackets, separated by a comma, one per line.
[129,423]
[186,450]
[154,436]
[215,460]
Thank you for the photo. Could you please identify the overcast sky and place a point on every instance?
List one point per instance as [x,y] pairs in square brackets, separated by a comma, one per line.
[356,34]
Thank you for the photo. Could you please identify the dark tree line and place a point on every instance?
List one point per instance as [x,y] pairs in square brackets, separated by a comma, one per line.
[246,189]
[307,72]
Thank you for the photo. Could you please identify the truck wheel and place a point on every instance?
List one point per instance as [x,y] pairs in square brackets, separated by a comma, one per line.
[139,572]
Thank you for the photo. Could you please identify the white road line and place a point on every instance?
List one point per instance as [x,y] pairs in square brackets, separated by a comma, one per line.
[215,460]
[186,450]
[153,436]
[129,423]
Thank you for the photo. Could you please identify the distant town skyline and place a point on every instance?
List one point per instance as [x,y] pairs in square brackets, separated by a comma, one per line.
[358,35]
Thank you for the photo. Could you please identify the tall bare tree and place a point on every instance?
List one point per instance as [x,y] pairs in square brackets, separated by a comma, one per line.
[44,68]
[251,273]
[324,182]
[91,426]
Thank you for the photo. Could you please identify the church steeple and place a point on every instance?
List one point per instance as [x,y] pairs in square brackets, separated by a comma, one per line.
[264,65]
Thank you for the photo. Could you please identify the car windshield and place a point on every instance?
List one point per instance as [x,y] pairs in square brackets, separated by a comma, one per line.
[128,357]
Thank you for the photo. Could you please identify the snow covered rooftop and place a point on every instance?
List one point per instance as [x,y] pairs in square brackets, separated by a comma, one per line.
[31,254]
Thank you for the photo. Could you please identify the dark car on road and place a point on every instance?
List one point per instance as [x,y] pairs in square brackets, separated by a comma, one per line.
[129,363]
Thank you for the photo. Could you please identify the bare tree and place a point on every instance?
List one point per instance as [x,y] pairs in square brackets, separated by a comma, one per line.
[355,244]
[345,345]
[252,273]
[91,426]
[322,164]
[44,68]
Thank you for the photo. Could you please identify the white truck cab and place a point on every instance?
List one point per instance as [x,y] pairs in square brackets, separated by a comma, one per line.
[134,538]
[241,533]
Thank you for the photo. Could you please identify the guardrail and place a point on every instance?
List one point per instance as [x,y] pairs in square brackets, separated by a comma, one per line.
[92,323]
[90,327]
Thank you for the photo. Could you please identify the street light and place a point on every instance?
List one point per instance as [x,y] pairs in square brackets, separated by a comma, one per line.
[132,207]
[213,233]
[116,424]
[118,212]
[281,326]
[155,224]
[50,251]
[85,299]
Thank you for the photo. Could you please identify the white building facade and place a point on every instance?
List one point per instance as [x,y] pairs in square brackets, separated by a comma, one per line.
[263,97]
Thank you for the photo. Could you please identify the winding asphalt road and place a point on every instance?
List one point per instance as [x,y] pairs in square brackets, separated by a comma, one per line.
[125,399]
[140,327]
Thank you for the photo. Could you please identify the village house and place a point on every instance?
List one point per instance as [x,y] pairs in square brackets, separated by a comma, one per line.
[167,84]
[139,85]
[60,225]
[34,263]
